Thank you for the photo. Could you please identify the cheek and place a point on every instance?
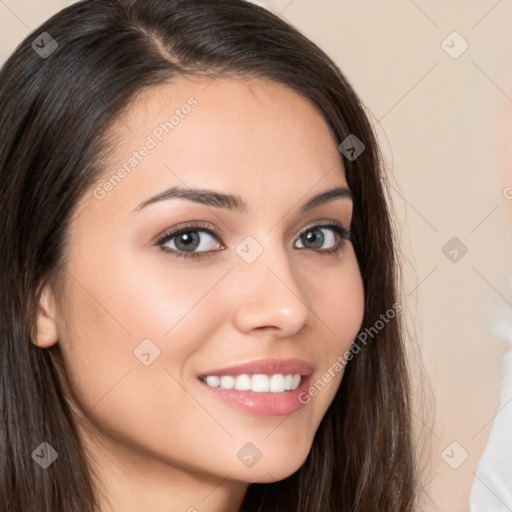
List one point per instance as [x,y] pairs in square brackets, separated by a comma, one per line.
[133,300]
[115,326]
[339,304]
[158,295]
[125,317]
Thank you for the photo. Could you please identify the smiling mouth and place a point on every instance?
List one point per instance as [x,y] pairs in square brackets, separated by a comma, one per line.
[258,383]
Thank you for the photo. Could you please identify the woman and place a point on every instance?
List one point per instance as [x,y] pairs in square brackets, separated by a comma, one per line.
[199,307]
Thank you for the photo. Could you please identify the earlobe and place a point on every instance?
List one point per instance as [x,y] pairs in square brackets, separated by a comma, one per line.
[46,334]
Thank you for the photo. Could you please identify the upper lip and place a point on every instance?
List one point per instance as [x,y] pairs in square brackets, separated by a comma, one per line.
[265,367]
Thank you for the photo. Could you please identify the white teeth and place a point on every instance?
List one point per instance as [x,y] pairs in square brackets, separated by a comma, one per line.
[295,381]
[213,381]
[258,383]
[243,382]
[227,382]
[277,383]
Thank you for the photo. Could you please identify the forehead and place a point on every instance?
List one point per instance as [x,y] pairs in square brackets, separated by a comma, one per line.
[230,133]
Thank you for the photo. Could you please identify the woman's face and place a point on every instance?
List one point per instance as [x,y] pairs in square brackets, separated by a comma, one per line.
[144,314]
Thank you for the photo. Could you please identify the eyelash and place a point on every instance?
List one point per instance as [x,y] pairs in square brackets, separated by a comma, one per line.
[341,231]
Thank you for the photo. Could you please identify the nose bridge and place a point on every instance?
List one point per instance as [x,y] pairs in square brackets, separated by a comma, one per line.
[268,294]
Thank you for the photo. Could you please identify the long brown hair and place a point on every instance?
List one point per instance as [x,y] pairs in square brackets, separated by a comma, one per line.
[55,111]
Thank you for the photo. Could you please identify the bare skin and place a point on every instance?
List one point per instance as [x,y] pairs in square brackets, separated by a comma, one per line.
[157,438]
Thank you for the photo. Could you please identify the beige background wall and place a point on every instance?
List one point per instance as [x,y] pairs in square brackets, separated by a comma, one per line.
[445,124]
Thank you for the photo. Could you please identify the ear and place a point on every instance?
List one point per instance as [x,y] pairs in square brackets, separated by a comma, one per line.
[47,334]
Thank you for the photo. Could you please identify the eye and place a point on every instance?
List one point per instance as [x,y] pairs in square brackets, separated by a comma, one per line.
[190,241]
[321,235]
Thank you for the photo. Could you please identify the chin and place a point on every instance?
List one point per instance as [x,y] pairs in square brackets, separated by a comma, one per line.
[272,470]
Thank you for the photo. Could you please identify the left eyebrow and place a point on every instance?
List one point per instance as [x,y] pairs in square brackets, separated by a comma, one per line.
[325,197]
[236,203]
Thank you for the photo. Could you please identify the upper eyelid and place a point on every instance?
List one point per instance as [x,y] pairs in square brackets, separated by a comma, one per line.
[171,233]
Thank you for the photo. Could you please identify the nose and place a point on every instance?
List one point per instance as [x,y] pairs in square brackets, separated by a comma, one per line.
[267,296]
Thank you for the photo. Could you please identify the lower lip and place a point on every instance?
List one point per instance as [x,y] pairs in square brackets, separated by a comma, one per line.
[264,404]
